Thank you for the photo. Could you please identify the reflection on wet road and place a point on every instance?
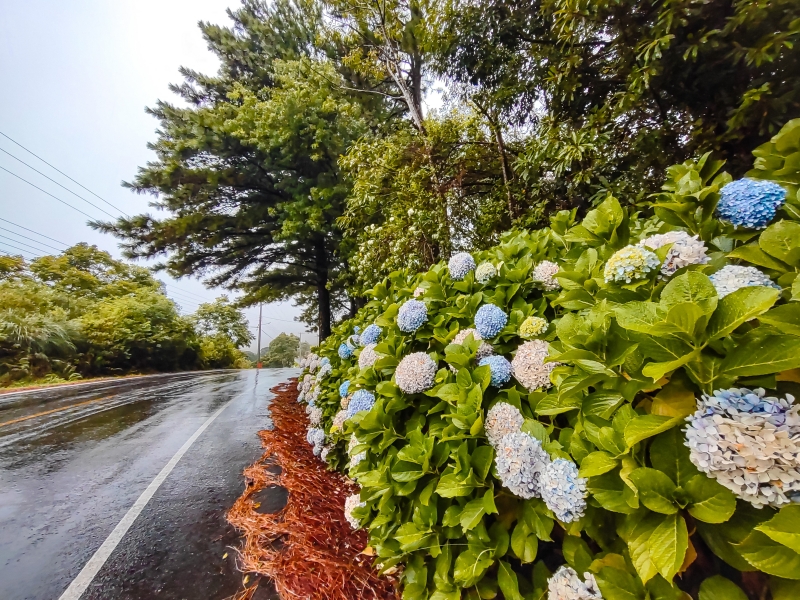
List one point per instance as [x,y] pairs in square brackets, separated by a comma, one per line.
[74,460]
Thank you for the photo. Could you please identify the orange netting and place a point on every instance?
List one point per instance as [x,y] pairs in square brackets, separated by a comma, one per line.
[307,548]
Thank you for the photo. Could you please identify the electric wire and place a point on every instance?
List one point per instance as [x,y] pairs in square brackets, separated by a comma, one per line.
[64,174]
[34,232]
[25,237]
[5,237]
[46,192]
[59,185]
[20,249]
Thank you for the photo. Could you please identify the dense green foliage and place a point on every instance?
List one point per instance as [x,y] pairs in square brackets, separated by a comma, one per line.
[82,313]
[283,351]
[631,361]
[309,166]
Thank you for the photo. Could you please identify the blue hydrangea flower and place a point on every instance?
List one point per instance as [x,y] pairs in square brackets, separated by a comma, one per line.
[563,491]
[324,361]
[460,265]
[500,368]
[345,351]
[356,329]
[361,400]
[371,335]
[490,320]
[412,315]
[343,389]
[750,202]
[734,277]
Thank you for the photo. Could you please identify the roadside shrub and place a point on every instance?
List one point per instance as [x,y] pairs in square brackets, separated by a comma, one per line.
[579,476]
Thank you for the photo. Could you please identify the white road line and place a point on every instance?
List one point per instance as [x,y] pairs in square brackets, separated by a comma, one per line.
[88,573]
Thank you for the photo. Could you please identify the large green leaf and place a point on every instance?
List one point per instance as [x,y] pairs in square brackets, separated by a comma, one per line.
[524,543]
[737,308]
[645,426]
[781,241]
[784,527]
[507,580]
[472,513]
[637,532]
[471,564]
[597,463]
[710,501]
[763,355]
[785,317]
[669,454]
[719,588]
[453,485]
[656,490]
[693,287]
[668,545]
[619,585]
[769,556]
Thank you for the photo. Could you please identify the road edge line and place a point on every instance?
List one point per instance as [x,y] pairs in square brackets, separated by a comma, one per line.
[99,558]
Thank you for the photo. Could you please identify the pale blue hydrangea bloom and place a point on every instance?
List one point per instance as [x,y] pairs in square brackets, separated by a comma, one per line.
[500,368]
[750,202]
[345,351]
[412,315]
[361,400]
[563,490]
[520,462]
[566,585]
[632,262]
[370,335]
[490,320]
[735,277]
[343,388]
[485,272]
[460,265]
[315,436]
[324,361]
[324,371]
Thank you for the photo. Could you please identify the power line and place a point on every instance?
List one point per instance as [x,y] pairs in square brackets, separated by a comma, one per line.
[20,249]
[64,174]
[35,232]
[59,185]
[25,237]
[46,192]
[5,237]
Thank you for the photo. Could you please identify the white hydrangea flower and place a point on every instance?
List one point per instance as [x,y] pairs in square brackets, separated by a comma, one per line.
[630,263]
[315,416]
[544,273]
[566,585]
[485,272]
[520,462]
[462,335]
[734,277]
[750,443]
[501,420]
[326,449]
[368,356]
[415,373]
[351,504]
[563,490]
[338,420]
[460,264]
[419,292]
[529,368]
[315,437]
[686,250]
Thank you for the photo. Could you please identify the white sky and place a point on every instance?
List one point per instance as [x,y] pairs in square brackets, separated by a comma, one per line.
[75,78]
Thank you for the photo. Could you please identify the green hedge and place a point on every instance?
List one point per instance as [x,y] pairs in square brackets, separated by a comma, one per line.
[629,363]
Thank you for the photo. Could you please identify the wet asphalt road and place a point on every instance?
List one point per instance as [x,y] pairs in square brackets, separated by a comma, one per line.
[68,477]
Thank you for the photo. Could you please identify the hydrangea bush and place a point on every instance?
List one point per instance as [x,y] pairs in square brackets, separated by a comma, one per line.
[645,444]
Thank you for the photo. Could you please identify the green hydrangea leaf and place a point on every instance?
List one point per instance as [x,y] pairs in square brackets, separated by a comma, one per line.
[719,588]
[784,527]
[710,501]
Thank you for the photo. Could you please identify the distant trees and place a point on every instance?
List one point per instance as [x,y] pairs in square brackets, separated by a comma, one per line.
[84,313]
[282,351]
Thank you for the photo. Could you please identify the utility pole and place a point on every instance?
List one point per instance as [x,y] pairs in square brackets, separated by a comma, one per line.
[258,356]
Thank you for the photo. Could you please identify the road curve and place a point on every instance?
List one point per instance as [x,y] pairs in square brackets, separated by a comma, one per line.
[74,460]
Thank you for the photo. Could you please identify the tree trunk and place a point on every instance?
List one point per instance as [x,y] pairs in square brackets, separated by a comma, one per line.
[501,148]
[323,294]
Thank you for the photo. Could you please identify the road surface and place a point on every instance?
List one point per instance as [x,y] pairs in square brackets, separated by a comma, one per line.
[74,461]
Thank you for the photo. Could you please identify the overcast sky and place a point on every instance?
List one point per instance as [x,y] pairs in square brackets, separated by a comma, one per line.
[75,78]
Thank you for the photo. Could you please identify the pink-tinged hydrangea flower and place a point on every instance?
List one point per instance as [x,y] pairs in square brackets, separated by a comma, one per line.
[566,585]
[529,368]
[368,356]
[419,292]
[411,316]
[520,462]
[734,277]
[533,326]
[686,250]
[502,419]
[485,272]
[750,202]
[415,373]
[632,262]
[338,420]
[563,490]
[544,273]
[350,505]
[315,416]
[490,320]
[750,443]
[345,402]
[460,265]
